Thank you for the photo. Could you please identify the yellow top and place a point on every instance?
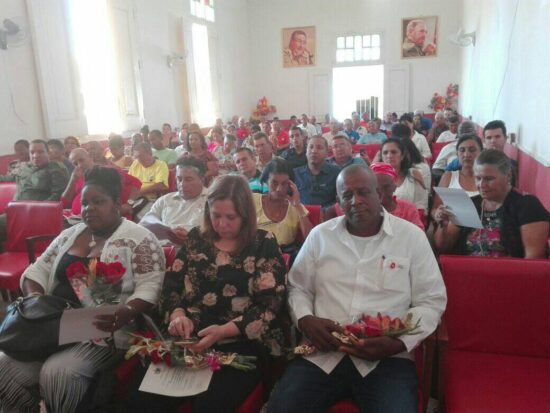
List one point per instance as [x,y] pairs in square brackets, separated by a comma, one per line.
[286,230]
[154,174]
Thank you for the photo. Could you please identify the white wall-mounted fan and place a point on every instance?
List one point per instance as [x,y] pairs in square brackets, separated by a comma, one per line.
[463,39]
[13,32]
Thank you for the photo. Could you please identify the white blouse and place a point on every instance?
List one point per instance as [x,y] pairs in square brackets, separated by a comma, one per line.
[411,190]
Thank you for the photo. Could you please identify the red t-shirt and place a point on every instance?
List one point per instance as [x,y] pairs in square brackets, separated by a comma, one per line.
[128,182]
[282,138]
[242,134]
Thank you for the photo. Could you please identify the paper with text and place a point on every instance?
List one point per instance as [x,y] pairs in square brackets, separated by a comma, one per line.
[461,206]
[175,381]
[76,325]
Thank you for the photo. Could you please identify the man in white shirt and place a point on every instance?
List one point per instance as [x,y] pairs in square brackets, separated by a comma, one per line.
[174,214]
[365,262]
[309,128]
[449,135]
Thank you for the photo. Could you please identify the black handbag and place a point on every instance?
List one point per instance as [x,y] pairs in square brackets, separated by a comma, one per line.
[30,329]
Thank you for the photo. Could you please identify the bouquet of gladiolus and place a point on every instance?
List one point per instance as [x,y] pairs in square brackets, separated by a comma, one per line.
[98,283]
[173,354]
[369,326]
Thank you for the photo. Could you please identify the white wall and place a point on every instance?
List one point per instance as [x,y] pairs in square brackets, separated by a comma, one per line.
[20,111]
[505,76]
[288,89]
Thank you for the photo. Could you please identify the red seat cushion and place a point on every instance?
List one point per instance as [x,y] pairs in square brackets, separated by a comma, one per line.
[344,406]
[501,383]
[7,192]
[12,266]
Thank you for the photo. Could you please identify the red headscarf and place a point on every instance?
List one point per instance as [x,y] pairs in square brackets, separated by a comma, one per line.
[381,168]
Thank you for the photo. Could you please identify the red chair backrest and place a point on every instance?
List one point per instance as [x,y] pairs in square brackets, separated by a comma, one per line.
[371,149]
[172,180]
[31,218]
[5,162]
[7,192]
[498,305]
[314,214]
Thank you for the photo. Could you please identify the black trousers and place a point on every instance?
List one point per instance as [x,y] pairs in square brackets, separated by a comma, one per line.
[227,391]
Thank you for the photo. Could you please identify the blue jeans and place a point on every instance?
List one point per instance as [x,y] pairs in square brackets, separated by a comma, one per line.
[390,387]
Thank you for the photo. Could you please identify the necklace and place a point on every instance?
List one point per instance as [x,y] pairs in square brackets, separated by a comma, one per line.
[93,242]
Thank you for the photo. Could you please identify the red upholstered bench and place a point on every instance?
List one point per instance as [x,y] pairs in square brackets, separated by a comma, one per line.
[496,345]
[26,219]
[7,192]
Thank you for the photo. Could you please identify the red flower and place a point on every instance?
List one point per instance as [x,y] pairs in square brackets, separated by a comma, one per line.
[213,362]
[155,357]
[76,270]
[357,329]
[111,273]
[167,359]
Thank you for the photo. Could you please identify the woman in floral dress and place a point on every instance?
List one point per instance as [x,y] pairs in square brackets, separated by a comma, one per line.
[226,287]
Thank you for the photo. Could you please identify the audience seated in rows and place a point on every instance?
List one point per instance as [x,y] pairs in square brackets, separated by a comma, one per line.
[56,152]
[281,136]
[21,150]
[373,134]
[468,148]
[356,125]
[198,148]
[450,134]
[83,163]
[514,225]
[448,152]
[316,181]
[296,155]
[37,180]
[280,211]
[342,150]
[173,215]
[364,262]
[438,127]
[336,128]
[387,122]
[418,139]
[308,127]
[70,143]
[403,133]
[350,133]
[65,377]
[410,183]
[161,152]
[425,123]
[239,313]
[245,160]
[263,149]
[152,173]
[118,156]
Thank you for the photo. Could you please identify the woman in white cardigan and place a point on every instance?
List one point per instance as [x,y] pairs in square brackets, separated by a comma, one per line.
[63,379]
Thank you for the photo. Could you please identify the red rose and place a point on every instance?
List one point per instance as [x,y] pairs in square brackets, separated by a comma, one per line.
[76,270]
[155,357]
[111,273]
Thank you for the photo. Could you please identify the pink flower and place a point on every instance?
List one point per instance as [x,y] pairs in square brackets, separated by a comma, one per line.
[213,362]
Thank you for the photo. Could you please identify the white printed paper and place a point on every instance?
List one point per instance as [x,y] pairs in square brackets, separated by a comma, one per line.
[77,324]
[461,207]
[175,381]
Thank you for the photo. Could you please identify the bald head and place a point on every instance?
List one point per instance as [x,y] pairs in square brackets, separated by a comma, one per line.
[362,172]
[358,196]
[81,159]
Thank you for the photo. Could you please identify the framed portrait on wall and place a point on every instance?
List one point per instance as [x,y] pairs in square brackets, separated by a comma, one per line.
[299,46]
[419,37]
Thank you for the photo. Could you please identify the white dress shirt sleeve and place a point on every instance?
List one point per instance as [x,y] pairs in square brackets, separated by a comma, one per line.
[301,281]
[428,295]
